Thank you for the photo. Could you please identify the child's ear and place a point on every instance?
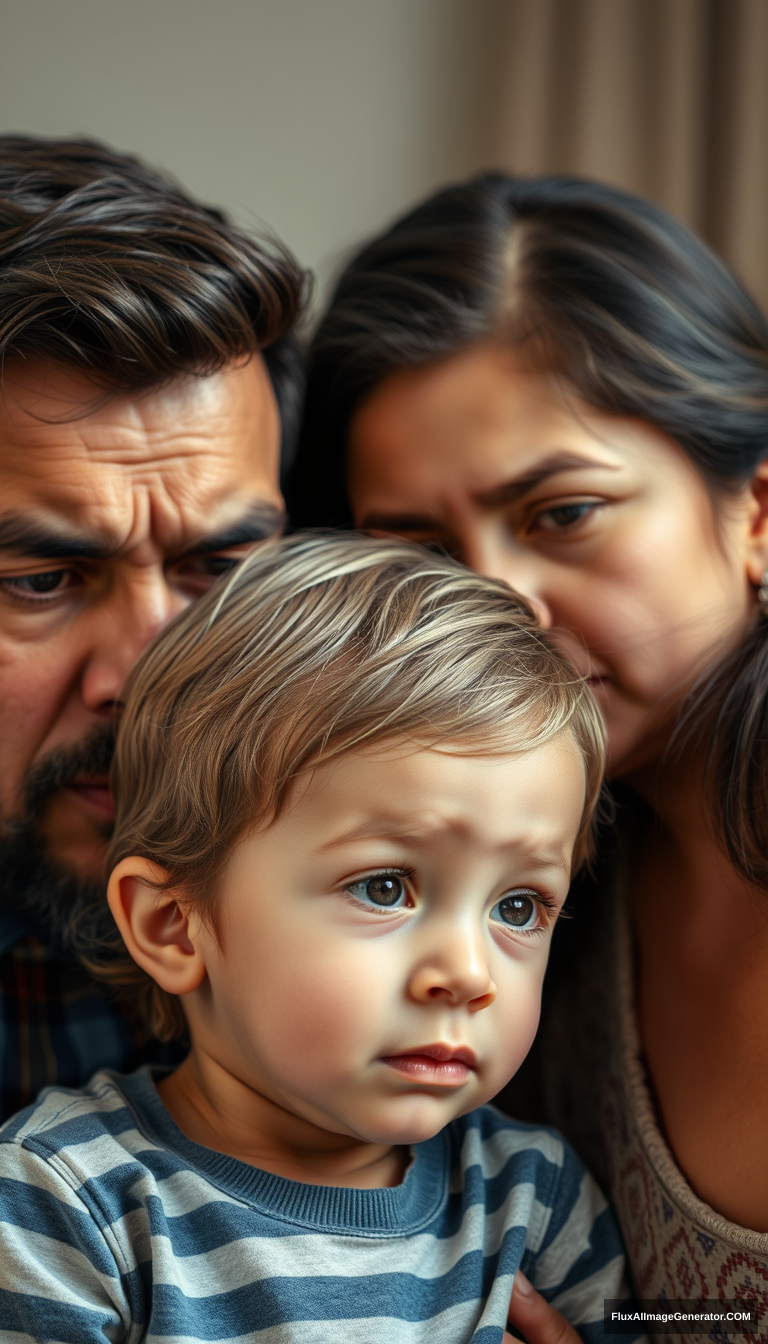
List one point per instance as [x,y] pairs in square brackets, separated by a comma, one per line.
[160,933]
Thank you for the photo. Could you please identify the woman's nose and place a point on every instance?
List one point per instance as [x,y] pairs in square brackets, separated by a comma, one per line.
[488,552]
[455,974]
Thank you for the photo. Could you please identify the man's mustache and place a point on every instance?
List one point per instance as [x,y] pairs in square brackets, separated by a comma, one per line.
[90,758]
[67,910]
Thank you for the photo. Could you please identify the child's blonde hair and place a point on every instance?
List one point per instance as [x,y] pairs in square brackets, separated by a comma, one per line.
[318,644]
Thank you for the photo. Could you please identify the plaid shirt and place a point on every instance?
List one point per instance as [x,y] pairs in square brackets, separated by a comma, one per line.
[57,1025]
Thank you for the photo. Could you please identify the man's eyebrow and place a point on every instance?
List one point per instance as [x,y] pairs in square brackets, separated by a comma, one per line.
[260,523]
[25,536]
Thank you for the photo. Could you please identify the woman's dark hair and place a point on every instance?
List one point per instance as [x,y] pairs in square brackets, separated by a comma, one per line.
[110,268]
[629,309]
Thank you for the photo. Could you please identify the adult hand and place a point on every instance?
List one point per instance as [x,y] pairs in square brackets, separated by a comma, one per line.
[535,1319]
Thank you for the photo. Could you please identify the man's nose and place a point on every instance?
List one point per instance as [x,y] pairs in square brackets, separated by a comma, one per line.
[454,972]
[486,550]
[123,624]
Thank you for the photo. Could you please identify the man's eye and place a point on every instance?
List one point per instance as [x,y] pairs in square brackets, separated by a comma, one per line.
[210,566]
[36,587]
[199,572]
[216,565]
[385,890]
[519,910]
[565,515]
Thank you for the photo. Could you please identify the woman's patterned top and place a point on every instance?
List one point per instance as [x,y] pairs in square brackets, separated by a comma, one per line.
[599,1095]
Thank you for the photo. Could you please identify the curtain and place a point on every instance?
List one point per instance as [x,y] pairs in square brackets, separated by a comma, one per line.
[668,98]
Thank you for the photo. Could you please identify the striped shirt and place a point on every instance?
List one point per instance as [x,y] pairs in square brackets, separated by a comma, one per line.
[114,1226]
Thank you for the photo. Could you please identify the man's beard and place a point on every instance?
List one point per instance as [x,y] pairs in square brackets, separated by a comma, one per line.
[68,911]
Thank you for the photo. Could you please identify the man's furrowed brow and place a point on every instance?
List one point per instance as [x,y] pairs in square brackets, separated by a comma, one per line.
[26,536]
[260,523]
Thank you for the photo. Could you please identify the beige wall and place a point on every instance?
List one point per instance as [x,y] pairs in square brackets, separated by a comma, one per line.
[321,117]
[325,118]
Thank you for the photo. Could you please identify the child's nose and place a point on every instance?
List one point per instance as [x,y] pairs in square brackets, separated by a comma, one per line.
[456,974]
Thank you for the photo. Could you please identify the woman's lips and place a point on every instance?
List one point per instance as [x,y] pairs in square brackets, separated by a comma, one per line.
[443,1064]
[96,794]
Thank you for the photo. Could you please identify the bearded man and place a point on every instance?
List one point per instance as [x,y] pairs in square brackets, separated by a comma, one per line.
[147,352]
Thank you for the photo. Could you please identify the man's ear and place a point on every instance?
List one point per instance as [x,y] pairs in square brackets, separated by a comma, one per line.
[757,544]
[161,934]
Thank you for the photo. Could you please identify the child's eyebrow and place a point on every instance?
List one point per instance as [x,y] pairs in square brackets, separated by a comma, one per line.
[397,829]
[384,828]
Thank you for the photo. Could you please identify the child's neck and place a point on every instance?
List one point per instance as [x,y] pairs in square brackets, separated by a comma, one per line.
[214,1108]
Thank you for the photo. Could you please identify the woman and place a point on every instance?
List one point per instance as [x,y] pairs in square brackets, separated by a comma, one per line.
[559,384]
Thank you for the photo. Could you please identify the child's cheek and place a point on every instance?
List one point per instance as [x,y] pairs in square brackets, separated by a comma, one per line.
[510,1026]
[318,1017]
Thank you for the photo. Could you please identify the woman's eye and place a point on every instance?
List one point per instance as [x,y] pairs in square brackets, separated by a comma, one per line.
[385,890]
[565,515]
[519,910]
[36,587]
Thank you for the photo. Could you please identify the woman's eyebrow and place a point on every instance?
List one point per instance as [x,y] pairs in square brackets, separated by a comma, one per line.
[497,496]
[509,491]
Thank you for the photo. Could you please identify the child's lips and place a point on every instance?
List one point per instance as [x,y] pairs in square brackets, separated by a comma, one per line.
[443,1064]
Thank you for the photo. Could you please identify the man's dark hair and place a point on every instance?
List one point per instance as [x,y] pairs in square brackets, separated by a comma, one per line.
[110,268]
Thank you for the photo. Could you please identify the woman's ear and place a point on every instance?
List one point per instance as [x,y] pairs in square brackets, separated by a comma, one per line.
[160,932]
[757,554]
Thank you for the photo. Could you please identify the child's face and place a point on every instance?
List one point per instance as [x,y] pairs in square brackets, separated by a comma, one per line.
[383,944]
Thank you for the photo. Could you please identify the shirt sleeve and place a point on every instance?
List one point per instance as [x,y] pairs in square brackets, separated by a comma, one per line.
[580,1260]
[59,1277]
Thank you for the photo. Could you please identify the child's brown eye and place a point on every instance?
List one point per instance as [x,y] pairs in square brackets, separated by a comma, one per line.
[518,910]
[383,889]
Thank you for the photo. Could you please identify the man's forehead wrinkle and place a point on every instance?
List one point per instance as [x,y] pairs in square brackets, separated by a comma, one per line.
[134,436]
[158,447]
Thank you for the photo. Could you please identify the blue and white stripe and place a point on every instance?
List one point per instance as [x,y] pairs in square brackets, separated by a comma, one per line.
[113,1226]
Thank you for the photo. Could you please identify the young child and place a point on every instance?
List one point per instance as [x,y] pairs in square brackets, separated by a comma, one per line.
[352,786]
